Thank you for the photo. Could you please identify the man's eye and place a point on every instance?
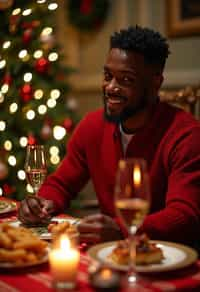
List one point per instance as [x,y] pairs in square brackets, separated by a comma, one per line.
[107,76]
[127,79]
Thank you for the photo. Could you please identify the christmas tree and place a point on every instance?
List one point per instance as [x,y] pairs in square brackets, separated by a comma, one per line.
[34,92]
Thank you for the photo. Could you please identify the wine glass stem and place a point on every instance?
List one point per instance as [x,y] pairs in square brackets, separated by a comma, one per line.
[131,272]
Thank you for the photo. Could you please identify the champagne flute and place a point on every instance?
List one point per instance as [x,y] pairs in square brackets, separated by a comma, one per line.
[132,201]
[35,166]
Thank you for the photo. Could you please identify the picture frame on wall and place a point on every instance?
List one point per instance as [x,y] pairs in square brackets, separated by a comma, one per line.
[183,18]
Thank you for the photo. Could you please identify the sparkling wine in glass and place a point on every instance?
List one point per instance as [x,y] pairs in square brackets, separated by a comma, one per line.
[132,201]
[35,166]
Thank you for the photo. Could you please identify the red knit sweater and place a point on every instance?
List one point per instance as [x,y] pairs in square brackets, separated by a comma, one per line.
[170,144]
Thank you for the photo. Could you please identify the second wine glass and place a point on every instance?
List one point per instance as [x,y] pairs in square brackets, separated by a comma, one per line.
[132,201]
[35,166]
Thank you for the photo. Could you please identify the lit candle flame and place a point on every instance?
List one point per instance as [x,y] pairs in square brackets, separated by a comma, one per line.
[137,176]
[64,243]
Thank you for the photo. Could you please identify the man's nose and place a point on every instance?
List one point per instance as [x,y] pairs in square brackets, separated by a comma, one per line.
[113,85]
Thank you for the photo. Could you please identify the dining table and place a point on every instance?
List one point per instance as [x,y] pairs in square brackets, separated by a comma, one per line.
[39,278]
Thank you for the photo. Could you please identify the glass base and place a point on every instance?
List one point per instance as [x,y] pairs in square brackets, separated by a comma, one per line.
[63,285]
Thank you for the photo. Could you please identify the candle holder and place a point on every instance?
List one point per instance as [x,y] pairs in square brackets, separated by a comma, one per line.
[64,262]
[103,278]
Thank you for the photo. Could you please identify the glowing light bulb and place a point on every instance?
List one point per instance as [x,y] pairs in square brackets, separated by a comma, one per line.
[53,57]
[51,103]
[59,132]
[55,93]
[30,114]
[21,174]
[22,54]
[6,45]
[27,12]
[23,141]
[2,64]
[13,108]
[28,77]
[1,192]
[54,150]
[16,11]
[42,109]
[46,31]
[41,1]
[52,6]
[55,159]
[2,126]
[8,145]
[12,160]
[4,88]
[38,54]
[38,94]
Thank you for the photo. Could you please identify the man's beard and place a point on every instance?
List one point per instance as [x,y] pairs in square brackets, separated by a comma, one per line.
[127,112]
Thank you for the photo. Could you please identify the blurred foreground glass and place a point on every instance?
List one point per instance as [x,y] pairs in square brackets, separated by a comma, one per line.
[132,201]
[35,166]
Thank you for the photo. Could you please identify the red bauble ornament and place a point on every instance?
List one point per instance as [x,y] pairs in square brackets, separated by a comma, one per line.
[27,36]
[31,140]
[68,124]
[26,92]
[42,65]
[7,79]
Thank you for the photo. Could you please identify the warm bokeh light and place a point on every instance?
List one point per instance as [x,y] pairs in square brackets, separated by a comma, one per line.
[2,64]
[52,6]
[42,109]
[27,12]
[38,54]
[2,125]
[59,132]
[55,93]
[21,174]
[6,45]
[8,145]
[51,103]
[28,77]
[54,150]
[30,114]
[38,94]
[12,160]
[13,108]
[23,141]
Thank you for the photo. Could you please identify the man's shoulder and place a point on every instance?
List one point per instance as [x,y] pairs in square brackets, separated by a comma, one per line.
[94,118]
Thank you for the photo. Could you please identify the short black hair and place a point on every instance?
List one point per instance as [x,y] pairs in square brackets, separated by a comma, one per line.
[145,41]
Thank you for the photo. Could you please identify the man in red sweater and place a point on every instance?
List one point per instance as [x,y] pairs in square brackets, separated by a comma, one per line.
[133,123]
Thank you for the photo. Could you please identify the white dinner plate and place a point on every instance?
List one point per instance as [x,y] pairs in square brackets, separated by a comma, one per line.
[42,230]
[12,265]
[176,256]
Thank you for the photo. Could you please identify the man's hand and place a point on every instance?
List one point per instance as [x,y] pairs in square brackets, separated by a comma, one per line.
[35,210]
[98,228]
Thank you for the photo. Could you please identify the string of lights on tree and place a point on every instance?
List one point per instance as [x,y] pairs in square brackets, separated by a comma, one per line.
[35,102]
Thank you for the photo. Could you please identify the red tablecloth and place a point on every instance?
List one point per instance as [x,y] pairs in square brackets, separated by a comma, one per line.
[39,278]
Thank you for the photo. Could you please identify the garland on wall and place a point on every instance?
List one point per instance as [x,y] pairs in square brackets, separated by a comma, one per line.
[87,15]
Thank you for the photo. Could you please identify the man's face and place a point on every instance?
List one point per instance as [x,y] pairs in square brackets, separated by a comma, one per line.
[127,85]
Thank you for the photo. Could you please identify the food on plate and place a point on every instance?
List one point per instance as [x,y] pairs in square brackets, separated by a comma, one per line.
[63,227]
[147,252]
[19,245]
